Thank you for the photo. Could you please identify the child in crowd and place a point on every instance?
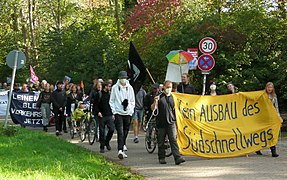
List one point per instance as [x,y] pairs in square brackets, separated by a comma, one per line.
[78,114]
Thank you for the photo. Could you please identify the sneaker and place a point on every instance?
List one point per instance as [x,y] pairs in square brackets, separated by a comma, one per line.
[121,154]
[136,140]
[102,148]
[125,155]
[162,161]
[65,131]
[179,161]
[45,129]
[125,148]
[108,147]
[57,133]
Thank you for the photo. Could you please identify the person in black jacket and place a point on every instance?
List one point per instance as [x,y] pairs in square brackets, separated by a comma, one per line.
[106,117]
[59,101]
[185,86]
[43,103]
[165,123]
[94,100]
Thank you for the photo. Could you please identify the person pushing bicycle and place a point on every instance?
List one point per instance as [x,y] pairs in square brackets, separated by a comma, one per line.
[165,123]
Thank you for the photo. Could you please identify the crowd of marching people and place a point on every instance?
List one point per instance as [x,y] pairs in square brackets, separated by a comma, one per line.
[115,106]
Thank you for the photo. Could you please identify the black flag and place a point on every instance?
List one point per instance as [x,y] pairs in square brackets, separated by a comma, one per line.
[136,69]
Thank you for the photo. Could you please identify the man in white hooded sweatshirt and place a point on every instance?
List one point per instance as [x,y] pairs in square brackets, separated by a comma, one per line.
[122,102]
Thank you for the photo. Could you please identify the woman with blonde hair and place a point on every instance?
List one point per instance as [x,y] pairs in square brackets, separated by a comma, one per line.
[270,90]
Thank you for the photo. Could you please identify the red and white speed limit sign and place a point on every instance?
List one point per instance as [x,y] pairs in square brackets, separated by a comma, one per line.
[207,45]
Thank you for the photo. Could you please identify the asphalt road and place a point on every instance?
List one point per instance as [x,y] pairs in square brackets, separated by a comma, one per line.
[140,161]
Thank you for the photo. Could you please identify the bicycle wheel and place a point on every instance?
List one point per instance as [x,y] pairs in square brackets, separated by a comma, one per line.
[92,132]
[71,129]
[83,129]
[167,147]
[150,143]
[144,122]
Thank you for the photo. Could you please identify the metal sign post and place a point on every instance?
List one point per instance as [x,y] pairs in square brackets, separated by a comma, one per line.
[206,62]
[15,60]
[204,80]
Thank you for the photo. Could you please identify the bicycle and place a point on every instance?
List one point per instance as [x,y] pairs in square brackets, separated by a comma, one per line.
[92,130]
[80,129]
[151,138]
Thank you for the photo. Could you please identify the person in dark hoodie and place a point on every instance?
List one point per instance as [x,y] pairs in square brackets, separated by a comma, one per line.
[43,103]
[59,101]
[106,117]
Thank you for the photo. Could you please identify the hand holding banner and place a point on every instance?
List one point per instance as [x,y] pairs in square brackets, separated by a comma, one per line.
[225,126]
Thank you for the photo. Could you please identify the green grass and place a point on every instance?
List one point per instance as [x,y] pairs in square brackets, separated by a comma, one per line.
[35,155]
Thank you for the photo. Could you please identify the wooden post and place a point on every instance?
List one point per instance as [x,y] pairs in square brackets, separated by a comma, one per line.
[150,75]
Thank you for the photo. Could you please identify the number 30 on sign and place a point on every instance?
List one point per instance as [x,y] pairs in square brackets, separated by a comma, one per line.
[207,45]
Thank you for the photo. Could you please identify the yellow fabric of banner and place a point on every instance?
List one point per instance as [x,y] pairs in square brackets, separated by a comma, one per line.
[225,125]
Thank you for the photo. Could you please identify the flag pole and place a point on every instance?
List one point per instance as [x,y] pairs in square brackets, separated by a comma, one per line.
[150,75]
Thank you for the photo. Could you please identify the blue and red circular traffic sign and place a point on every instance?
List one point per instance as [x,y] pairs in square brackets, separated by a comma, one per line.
[206,62]
[207,45]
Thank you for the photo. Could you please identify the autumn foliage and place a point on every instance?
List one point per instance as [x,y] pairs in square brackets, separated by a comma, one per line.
[152,17]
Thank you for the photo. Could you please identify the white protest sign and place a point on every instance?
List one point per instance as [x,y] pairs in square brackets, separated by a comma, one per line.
[174,71]
[3,102]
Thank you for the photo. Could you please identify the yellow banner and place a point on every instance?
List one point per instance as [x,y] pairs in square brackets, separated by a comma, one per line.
[225,125]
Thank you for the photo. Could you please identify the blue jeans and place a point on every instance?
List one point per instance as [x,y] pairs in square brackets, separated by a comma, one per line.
[138,114]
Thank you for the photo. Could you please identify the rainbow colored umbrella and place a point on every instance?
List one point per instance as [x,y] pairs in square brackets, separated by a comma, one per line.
[179,57]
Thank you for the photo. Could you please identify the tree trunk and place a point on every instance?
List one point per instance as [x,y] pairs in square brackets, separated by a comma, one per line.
[31,8]
[24,33]
[117,16]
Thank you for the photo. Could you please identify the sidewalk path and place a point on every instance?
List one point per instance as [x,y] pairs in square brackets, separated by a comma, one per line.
[140,161]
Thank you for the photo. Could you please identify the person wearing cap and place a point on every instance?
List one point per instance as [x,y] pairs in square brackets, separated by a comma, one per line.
[122,103]
[59,101]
